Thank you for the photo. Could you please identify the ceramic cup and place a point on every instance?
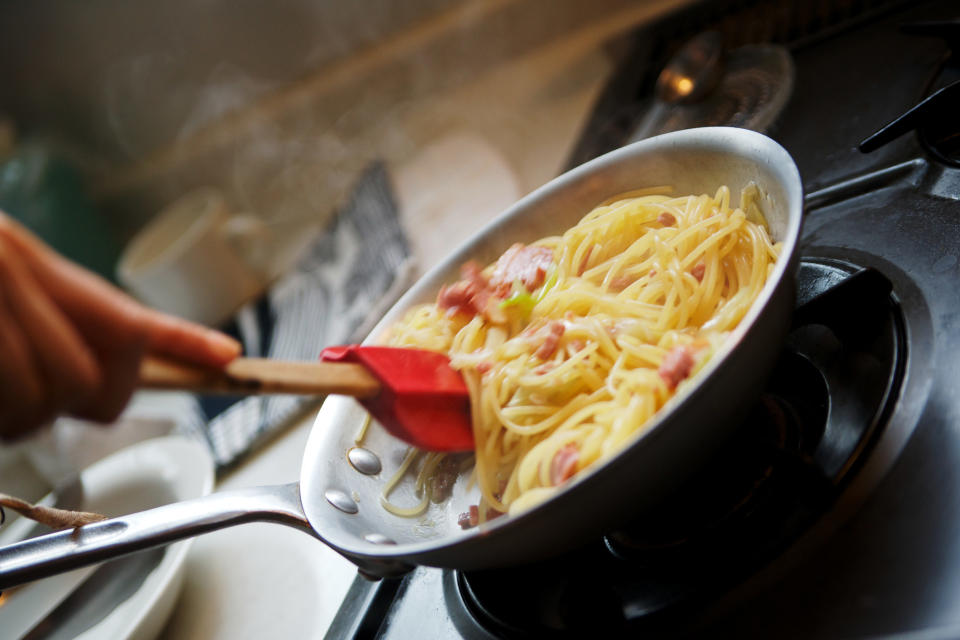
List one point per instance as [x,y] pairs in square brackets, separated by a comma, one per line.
[196,259]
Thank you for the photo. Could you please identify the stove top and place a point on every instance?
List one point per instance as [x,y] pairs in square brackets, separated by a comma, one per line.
[835,511]
[830,392]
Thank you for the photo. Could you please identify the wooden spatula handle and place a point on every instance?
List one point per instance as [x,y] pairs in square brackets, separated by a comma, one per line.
[251,376]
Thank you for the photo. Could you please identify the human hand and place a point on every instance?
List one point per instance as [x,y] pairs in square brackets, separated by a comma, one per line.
[72,343]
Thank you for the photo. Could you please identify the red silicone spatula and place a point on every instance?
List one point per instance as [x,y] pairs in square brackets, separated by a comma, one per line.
[413,393]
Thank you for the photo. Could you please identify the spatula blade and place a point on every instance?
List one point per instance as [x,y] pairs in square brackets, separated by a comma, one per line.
[424,401]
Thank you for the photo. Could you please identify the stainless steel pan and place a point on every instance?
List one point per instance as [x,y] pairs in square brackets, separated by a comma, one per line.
[339,504]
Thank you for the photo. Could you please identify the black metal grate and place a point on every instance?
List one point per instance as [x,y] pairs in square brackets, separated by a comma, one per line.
[822,409]
[792,23]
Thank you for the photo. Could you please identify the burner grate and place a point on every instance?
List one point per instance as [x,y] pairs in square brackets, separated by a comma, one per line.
[768,485]
[783,22]
[756,83]
[770,456]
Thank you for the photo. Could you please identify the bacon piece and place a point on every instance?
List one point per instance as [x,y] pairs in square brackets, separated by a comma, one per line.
[620,283]
[471,271]
[527,264]
[666,219]
[549,345]
[584,260]
[698,270]
[676,366]
[472,295]
[469,295]
[493,513]
[469,518]
[459,297]
[564,463]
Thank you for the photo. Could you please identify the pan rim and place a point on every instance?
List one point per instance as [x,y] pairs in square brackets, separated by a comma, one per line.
[744,143]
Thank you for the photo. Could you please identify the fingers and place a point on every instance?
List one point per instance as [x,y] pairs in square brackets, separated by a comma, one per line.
[78,339]
[46,359]
[21,386]
[89,301]
[176,337]
[120,364]
[100,311]
[61,354]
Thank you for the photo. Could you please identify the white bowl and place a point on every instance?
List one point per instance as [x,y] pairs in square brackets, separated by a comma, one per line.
[91,603]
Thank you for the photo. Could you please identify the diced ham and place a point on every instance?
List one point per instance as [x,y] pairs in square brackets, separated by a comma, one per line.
[564,463]
[698,270]
[469,295]
[470,518]
[676,366]
[527,264]
[493,513]
[460,297]
[472,295]
[484,367]
[620,283]
[666,219]
[471,271]
[548,347]
[585,260]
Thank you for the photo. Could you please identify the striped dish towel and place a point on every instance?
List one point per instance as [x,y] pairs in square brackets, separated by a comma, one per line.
[343,282]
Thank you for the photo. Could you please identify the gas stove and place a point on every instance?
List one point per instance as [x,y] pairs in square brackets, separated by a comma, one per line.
[835,509]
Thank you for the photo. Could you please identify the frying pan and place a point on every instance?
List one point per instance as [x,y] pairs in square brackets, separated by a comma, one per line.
[337,499]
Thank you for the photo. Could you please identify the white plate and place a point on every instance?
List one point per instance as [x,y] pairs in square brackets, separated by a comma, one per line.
[129,597]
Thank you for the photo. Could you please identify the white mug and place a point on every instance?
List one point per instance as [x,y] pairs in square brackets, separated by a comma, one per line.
[196,260]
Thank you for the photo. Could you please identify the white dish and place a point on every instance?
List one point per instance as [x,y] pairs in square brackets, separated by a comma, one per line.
[131,596]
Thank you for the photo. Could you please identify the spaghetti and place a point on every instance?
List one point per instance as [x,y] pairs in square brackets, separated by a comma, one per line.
[570,346]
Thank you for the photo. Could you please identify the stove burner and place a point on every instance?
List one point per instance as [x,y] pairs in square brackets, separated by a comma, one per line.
[823,406]
[773,449]
[756,83]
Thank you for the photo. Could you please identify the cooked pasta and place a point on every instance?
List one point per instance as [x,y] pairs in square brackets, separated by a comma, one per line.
[570,346]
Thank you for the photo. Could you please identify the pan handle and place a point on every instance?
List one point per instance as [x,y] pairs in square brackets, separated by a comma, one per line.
[62,551]
[860,184]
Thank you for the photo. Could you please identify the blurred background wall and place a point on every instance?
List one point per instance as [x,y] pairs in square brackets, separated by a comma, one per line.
[281,104]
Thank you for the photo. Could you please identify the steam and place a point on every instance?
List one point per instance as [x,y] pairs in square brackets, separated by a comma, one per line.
[229,89]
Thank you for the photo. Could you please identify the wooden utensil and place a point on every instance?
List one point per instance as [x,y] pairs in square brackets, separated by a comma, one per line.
[413,393]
